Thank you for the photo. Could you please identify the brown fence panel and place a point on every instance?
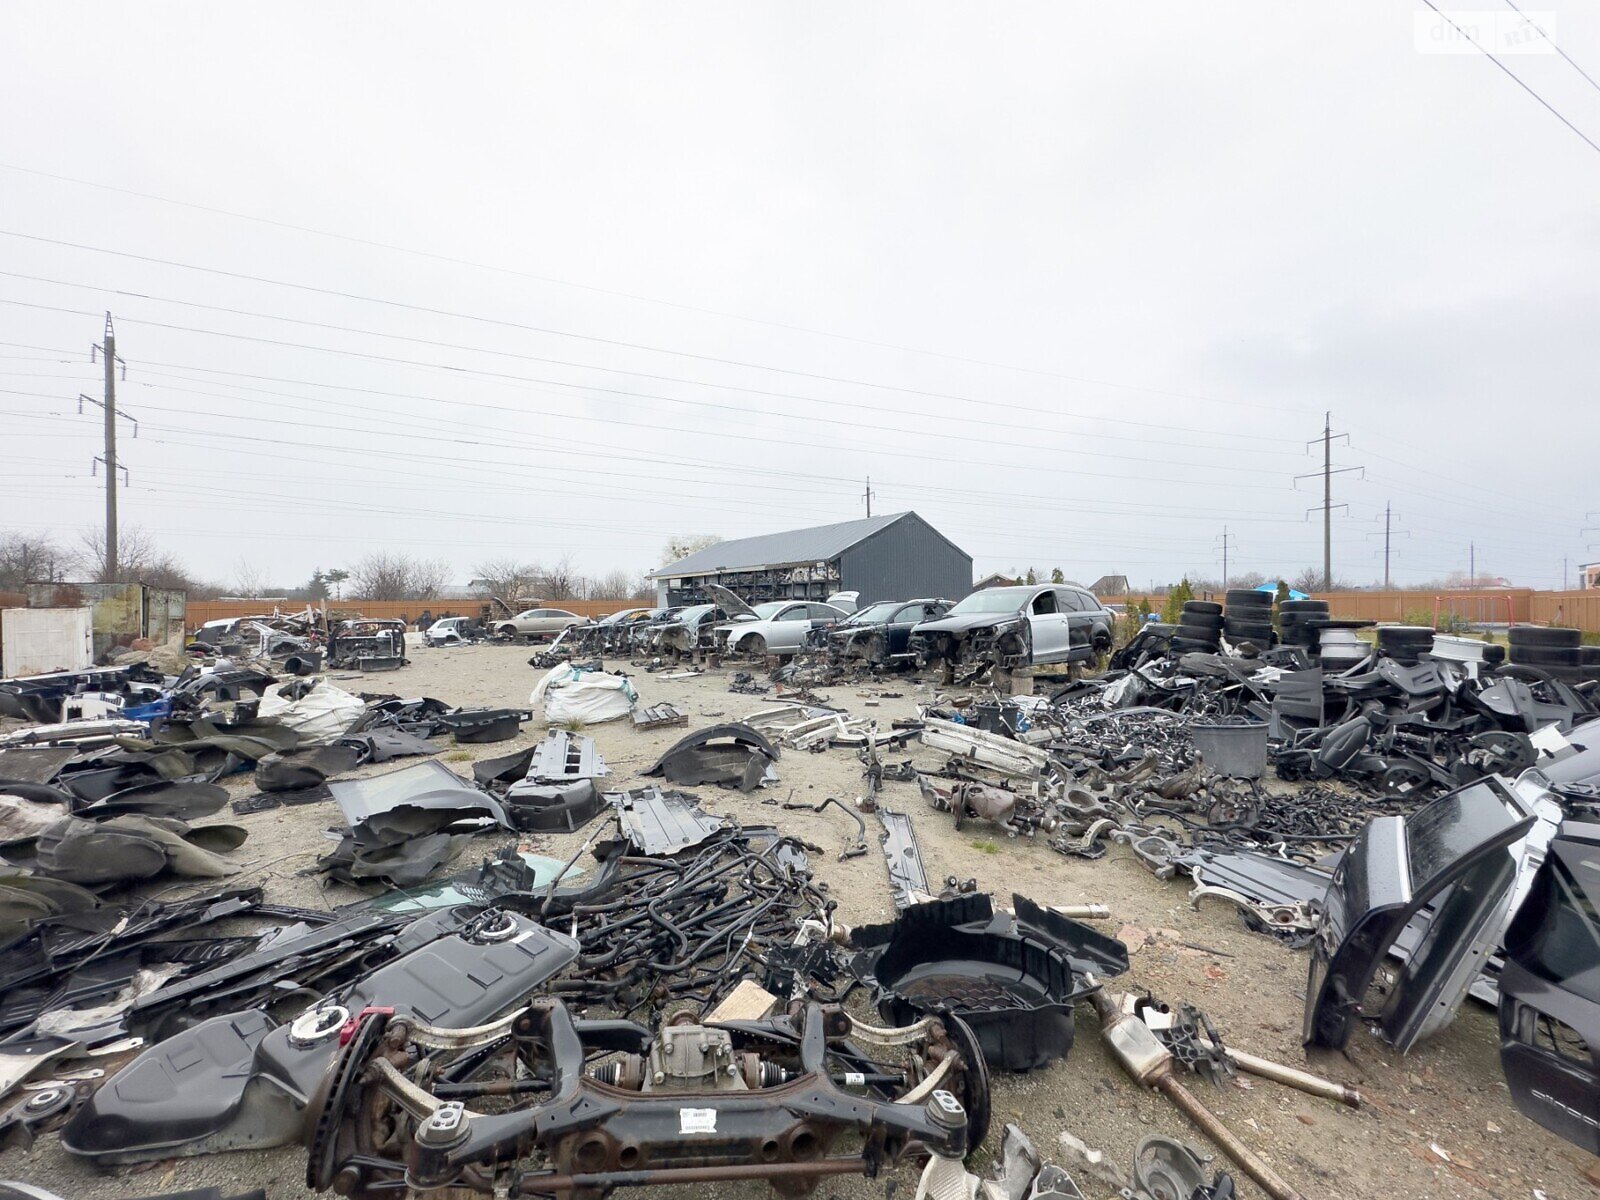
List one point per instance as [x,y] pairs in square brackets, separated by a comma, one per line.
[201,611]
[1579,609]
[1575,609]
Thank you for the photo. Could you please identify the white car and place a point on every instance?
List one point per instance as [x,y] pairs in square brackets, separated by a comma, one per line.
[775,627]
[535,623]
[450,631]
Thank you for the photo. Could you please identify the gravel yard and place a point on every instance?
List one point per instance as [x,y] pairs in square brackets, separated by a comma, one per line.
[1437,1123]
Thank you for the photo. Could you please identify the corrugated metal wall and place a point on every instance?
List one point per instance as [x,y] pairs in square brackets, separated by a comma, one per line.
[906,561]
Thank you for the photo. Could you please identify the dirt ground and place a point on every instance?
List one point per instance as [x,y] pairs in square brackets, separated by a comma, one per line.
[1437,1123]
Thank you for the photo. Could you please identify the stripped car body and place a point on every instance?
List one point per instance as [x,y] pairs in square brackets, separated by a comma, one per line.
[686,632]
[778,627]
[1011,628]
[878,635]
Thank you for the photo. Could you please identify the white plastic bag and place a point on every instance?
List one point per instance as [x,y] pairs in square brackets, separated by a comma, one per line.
[320,717]
[572,694]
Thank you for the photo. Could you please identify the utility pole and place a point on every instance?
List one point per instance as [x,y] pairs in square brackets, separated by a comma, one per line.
[868,495]
[1472,564]
[107,351]
[1386,547]
[1225,541]
[1388,539]
[1327,506]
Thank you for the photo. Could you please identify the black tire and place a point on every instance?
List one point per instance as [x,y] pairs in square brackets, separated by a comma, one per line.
[1180,645]
[1303,606]
[1247,598]
[1201,620]
[1539,635]
[1589,656]
[1210,607]
[1255,631]
[1494,654]
[1405,633]
[1544,656]
[1196,633]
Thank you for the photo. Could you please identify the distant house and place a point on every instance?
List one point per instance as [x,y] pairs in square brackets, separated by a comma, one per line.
[1110,585]
[1589,575]
[898,556]
[995,580]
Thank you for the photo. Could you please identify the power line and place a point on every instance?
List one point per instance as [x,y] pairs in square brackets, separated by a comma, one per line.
[504,270]
[1517,79]
[728,387]
[1553,46]
[784,442]
[522,327]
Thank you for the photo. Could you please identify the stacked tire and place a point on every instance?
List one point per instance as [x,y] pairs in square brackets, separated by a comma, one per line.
[1404,643]
[1558,651]
[1298,620]
[1199,628]
[1589,662]
[1248,617]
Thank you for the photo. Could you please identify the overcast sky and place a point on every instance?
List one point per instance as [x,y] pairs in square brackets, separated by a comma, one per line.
[1075,282]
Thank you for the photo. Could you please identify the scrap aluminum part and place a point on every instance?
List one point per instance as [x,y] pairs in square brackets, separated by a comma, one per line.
[1005,755]
[516,1108]
[243,1081]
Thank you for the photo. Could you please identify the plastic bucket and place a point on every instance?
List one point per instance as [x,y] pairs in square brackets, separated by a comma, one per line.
[1238,751]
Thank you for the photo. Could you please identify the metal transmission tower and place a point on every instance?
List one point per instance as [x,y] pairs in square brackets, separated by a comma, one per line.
[1327,506]
[1389,534]
[107,352]
[1227,543]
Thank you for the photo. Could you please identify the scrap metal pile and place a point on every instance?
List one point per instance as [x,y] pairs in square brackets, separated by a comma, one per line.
[678,1002]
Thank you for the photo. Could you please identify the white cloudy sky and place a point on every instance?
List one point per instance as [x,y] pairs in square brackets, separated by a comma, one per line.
[1076,282]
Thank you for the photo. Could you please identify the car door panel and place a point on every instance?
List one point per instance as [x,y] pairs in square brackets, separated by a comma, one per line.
[1050,629]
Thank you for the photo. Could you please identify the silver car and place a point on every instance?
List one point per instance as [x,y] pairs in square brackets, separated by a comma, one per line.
[775,627]
[535,623]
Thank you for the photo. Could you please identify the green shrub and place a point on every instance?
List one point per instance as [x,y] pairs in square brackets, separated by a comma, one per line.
[1176,597]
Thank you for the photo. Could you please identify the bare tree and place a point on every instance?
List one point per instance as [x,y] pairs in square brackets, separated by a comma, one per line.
[508,581]
[428,578]
[139,560]
[1310,580]
[383,575]
[686,544]
[613,585]
[248,579]
[30,558]
[560,582]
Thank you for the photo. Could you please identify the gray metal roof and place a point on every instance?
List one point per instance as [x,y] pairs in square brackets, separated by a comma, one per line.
[794,548]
